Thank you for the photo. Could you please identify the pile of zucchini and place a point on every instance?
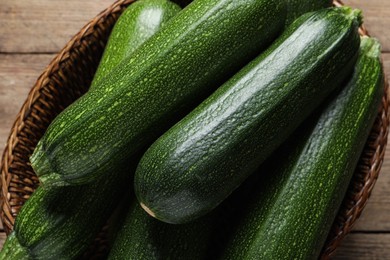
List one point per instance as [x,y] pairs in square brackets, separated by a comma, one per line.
[228,129]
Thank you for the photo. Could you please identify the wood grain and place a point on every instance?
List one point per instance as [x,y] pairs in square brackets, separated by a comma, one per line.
[18,73]
[45,26]
[42,25]
[376,215]
[376,18]
[360,246]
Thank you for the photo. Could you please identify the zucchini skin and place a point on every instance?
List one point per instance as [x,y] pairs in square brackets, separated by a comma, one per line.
[61,222]
[296,8]
[140,21]
[291,208]
[144,237]
[13,250]
[195,165]
[147,92]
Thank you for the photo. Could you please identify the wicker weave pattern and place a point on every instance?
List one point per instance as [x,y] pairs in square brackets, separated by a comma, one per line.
[67,78]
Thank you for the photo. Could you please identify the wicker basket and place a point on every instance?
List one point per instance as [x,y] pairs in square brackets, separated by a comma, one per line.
[67,77]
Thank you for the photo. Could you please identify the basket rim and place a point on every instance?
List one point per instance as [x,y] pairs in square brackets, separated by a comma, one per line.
[352,209]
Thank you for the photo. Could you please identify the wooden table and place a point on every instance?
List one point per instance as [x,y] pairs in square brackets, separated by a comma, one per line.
[31,32]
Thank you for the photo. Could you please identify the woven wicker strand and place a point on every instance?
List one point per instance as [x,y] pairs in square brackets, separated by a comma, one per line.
[68,76]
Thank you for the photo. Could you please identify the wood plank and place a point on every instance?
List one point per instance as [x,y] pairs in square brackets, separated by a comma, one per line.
[358,246]
[376,18]
[43,26]
[18,74]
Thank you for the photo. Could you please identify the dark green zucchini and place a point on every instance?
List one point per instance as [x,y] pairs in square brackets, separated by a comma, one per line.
[61,222]
[136,24]
[291,208]
[144,237]
[195,165]
[296,8]
[147,92]
[12,249]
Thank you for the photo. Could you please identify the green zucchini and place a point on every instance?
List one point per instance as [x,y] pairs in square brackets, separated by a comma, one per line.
[61,222]
[195,165]
[296,8]
[150,90]
[292,206]
[144,237]
[12,249]
[136,24]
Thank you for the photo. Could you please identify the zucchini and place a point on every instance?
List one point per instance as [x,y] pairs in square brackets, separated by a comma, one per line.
[292,206]
[136,24]
[296,8]
[62,222]
[195,165]
[69,218]
[150,90]
[12,249]
[144,237]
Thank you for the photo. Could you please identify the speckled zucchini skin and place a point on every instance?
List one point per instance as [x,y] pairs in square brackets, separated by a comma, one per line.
[61,222]
[147,92]
[13,250]
[296,8]
[291,209]
[195,165]
[144,237]
[137,23]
